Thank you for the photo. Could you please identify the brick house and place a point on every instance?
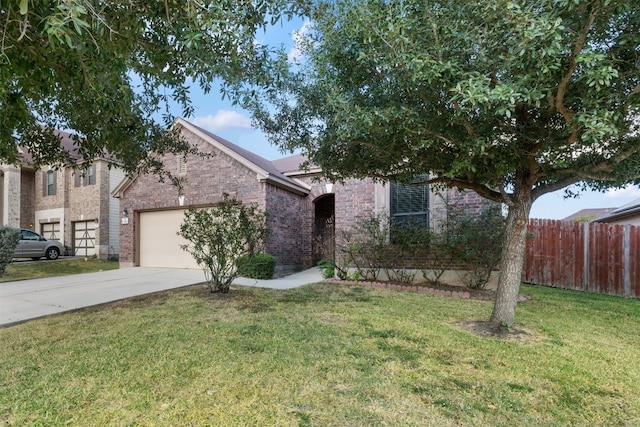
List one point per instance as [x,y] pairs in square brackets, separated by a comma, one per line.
[71,205]
[626,214]
[305,210]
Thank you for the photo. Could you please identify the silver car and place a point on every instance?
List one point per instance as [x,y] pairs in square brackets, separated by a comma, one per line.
[32,245]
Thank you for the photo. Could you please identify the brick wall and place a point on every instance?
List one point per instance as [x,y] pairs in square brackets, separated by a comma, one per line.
[289,241]
[87,203]
[71,203]
[27,199]
[205,182]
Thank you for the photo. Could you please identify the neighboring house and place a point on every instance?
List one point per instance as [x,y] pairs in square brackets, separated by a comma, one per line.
[627,214]
[71,205]
[588,215]
[305,211]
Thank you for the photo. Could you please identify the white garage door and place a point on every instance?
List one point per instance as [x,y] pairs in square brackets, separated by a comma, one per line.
[159,243]
[84,238]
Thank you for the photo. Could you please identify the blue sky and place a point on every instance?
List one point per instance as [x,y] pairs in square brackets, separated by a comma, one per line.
[234,124]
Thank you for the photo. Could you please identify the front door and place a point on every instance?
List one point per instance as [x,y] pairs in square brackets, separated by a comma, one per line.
[324,229]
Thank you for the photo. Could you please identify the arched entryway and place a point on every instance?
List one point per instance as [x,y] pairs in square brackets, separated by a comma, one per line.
[324,229]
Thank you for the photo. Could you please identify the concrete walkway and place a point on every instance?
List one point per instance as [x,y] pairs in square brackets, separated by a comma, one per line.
[30,299]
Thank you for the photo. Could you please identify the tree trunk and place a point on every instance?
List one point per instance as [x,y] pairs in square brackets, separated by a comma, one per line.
[504,309]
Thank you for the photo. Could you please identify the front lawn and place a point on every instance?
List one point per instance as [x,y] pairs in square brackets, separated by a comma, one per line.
[22,270]
[324,355]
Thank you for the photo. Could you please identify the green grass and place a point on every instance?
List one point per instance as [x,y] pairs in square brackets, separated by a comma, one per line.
[323,355]
[63,267]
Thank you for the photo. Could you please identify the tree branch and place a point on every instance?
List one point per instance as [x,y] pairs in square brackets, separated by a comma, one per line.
[465,123]
[554,186]
[562,87]
[482,190]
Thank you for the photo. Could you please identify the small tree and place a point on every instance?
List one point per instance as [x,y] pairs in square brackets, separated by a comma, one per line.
[220,236]
[9,238]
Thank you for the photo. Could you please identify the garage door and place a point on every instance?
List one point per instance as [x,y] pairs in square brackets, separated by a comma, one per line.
[84,238]
[159,243]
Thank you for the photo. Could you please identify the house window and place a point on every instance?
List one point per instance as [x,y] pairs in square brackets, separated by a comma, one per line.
[90,177]
[50,183]
[85,176]
[410,203]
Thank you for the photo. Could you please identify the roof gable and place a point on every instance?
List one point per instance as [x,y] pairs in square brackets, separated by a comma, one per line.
[264,169]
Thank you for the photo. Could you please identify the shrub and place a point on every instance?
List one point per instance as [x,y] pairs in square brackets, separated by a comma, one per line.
[327,268]
[219,236]
[476,239]
[9,238]
[377,243]
[257,266]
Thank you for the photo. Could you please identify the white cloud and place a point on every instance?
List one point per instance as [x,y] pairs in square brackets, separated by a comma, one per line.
[628,191]
[295,53]
[223,119]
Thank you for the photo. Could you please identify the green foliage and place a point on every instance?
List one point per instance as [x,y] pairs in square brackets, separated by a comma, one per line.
[509,99]
[218,237]
[106,69]
[364,246]
[62,267]
[585,218]
[327,268]
[395,89]
[257,266]
[377,243]
[476,240]
[9,238]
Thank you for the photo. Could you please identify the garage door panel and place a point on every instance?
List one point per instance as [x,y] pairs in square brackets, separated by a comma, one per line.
[159,242]
[50,230]
[84,237]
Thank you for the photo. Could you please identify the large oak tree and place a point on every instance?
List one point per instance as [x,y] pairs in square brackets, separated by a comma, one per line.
[110,71]
[509,98]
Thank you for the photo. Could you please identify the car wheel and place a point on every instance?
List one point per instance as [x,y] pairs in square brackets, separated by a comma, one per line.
[36,258]
[53,253]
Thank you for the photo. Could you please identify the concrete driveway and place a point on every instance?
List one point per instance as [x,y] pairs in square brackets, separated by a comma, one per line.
[30,299]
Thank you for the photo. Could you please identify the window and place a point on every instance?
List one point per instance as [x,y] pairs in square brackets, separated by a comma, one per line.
[50,183]
[410,202]
[85,176]
[29,235]
[90,177]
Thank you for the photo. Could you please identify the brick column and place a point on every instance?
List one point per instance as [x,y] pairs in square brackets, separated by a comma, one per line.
[11,196]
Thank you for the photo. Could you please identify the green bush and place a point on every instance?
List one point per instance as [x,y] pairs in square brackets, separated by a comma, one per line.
[9,238]
[257,266]
[219,236]
[327,268]
[476,239]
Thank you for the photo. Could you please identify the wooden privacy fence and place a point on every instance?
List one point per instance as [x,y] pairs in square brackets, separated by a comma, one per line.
[593,257]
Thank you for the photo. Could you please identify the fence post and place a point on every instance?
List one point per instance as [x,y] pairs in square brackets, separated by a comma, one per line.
[626,243]
[585,238]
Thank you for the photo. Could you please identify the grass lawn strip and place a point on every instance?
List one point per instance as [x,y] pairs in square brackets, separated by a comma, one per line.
[64,267]
[325,354]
